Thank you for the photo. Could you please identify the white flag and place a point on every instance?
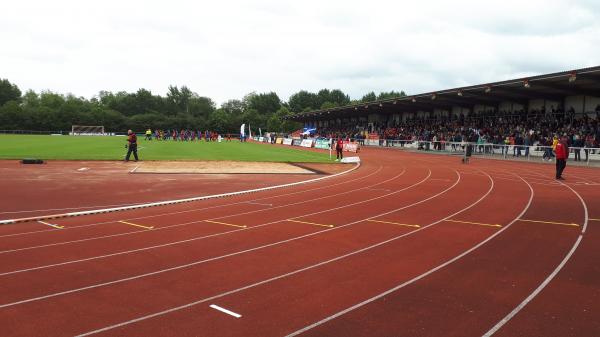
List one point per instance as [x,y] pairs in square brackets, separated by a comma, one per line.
[242,130]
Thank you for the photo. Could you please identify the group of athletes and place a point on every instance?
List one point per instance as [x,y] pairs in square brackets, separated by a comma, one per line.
[184,135]
[175,135]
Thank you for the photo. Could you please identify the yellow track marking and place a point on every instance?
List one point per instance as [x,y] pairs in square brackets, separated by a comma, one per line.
[226,224]
[136,225]
[310,223]
[51,225]
[395,223]
[594,219]
[474,223]
[551,222]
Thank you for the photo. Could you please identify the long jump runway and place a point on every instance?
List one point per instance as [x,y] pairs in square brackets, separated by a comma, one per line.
[405,245]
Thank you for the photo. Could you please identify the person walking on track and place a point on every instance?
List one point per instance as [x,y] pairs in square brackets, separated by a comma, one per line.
[562,153]
[131,145]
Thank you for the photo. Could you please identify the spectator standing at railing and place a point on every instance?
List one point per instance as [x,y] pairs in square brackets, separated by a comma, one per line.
[577,144]
[518,144]
[589,143]
[562,153]
[526,143]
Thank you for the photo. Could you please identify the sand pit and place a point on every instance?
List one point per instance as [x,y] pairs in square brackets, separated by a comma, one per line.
[220,167]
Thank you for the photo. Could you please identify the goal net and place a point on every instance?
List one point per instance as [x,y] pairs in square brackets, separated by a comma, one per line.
[87,130]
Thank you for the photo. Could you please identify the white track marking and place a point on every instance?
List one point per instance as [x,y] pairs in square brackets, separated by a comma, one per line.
[258,203]
[195,209]
[171,202]
[185,223]
[230,254]
[228,312]
[134,169]
[218,234]
[83,169]
[550,277]
[295,271]
[380,189]
[51,225]
[429,272]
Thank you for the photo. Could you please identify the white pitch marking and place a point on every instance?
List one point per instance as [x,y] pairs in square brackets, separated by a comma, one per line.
[51,225]
[228,312]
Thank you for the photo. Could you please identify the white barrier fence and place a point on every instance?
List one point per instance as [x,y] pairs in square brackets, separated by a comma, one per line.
[521,152]
[531,153]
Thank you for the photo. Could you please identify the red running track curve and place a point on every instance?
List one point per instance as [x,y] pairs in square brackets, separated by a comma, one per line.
[407,245]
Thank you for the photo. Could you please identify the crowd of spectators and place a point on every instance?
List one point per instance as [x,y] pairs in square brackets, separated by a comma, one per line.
[520,128]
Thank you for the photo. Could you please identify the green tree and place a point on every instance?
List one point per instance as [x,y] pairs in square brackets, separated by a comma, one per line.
[370,97]
[9,92]
[11,116]
[303,100]
[264,104]
[391,94]
[328,105]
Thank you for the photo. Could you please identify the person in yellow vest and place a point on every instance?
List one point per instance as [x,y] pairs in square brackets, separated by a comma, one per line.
[148,134]
[554,142]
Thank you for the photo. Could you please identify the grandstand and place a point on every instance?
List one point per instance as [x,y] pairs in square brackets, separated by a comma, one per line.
[566,102]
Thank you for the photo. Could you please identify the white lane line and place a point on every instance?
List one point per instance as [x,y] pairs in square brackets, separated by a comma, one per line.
[258,203]
[134,169]
[131,278]
[381,189]
[429,272]
[83,169]
[550,277]
[167,311]
[228,312]
[51,225]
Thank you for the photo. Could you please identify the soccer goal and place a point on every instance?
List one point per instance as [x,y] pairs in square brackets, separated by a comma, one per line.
[87,130]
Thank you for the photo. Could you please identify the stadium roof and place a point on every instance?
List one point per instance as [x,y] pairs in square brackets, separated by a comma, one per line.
[553,87]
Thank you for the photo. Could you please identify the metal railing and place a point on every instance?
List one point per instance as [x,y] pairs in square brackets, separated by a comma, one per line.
[499,151]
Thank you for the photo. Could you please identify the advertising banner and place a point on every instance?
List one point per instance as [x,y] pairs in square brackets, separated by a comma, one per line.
[279,140]
[296,142]
[287,141]
[306,143]
[322,144]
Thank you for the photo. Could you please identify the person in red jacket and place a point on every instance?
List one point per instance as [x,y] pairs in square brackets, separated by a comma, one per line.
[339,149]
[562,153]
[131,145]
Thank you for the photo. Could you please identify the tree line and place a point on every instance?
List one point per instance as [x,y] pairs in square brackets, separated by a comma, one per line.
[180,108]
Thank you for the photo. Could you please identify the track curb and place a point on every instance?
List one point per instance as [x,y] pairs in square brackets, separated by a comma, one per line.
[170,202]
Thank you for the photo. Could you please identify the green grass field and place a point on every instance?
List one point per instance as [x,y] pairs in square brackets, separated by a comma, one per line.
[113,148]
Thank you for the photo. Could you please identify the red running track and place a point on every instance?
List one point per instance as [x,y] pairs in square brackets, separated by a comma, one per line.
[407,245]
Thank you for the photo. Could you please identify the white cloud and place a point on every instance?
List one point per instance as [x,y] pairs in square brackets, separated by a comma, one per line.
[228,48]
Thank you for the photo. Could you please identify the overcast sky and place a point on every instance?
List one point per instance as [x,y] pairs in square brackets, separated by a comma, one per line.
[225,49]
